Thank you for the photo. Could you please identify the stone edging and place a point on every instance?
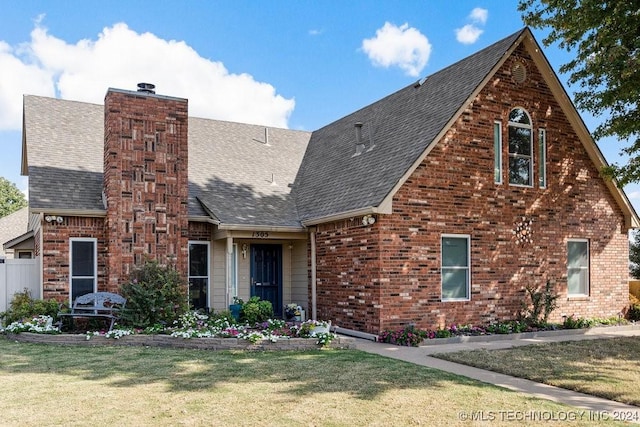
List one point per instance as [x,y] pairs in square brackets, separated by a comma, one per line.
[168,341]
[527,335]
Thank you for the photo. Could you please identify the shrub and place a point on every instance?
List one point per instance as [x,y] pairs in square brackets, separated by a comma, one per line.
[256,311]
[409,336]
[571,322]
[155,294]
[23,306]
[542,303]
[634,312]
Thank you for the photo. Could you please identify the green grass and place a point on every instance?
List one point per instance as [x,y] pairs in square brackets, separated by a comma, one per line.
[608,368]
[45,385]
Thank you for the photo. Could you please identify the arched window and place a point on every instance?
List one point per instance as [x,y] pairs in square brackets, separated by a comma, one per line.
[520,148]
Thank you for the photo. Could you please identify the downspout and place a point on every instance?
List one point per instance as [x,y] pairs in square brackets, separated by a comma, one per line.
[228,259]
[41,256]
[314,307]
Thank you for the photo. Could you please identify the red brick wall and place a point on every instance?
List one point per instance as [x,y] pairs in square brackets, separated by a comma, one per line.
[55,256]
[200,231]
[145,181]
[349,280]
[453,191]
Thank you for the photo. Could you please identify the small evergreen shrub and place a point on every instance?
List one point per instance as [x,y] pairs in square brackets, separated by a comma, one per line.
[155,294]
[23,306]
[256,311]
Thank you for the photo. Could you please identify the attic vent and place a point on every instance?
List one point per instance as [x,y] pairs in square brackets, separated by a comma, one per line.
[420,82]
[519,72]
[359,141]
[146,87]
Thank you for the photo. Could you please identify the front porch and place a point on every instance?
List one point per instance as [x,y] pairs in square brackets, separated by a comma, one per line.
[272,265]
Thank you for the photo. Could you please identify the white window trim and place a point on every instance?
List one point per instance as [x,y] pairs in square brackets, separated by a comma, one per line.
[497,155]
[468,268]
[95,264]
[588,268]
[542,148]
[208,277]
[234,273]
[531,163]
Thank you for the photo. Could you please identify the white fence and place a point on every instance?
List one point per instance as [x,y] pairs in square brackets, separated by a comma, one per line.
[15,276]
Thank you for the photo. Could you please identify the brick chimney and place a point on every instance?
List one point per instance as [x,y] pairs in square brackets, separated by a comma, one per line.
[145,181]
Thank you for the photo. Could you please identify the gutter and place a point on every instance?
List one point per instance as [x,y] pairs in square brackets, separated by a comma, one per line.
[72,212]
[348,214]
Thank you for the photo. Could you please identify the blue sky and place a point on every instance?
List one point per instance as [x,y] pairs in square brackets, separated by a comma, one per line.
[295,64]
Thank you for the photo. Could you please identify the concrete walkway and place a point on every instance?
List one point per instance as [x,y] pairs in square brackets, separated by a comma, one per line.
[422,356]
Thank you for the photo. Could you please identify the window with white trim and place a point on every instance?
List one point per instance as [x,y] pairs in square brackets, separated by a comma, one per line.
[578,267]
[199,275]
[497,152]
[456,267]
[520,148]
[542,162]
[83,267]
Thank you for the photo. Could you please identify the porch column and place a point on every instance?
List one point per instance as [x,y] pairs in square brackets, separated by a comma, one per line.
[314,315]
[229,264]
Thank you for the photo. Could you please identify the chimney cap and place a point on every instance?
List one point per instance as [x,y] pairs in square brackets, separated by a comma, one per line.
[146,87]
[358,124]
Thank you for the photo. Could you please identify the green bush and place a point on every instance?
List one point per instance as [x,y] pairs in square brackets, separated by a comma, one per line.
[634,312]
[23,306]
[155,294]
[542,303]
[256,311]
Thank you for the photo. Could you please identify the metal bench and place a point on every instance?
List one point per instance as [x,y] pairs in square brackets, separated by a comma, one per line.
[104,305]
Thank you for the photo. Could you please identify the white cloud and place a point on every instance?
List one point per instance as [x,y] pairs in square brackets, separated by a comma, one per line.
[470,33]
[479,15]
[404,47]
[121,58]
[315,32]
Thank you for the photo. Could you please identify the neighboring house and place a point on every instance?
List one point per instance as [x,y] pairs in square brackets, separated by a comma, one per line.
[15,239]
[438,204]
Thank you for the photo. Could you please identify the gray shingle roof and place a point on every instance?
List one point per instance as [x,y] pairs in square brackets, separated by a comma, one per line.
[237,179]
[12,226]
[230,167]
[332,180]
[64,153]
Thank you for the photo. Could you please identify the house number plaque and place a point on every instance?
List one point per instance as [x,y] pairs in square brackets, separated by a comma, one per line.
[260,234]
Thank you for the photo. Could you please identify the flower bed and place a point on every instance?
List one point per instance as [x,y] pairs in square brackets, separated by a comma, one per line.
[215,333]
[412,336]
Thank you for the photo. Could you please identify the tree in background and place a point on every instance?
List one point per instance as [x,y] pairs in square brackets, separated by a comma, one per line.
[605,36]
[634,256]
[11,198]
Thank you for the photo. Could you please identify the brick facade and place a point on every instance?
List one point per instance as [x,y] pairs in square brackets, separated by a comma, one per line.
[387,275]
[145,181]
[56,253]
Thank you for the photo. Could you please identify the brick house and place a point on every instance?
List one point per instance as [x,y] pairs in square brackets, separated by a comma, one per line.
[437,204]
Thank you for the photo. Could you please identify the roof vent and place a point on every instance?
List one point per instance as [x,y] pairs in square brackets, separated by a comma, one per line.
[146,87]
[359,141]
[519,72]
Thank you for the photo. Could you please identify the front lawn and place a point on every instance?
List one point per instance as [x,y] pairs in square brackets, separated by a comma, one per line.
[66,385]
[608,368]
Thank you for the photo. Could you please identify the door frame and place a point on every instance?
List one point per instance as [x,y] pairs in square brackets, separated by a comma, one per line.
[278,307]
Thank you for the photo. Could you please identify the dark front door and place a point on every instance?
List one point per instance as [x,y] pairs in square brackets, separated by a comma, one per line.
[266,274]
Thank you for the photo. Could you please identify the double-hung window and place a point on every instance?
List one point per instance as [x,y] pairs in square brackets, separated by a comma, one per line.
[83,267]
[520,148]
[578,267]
[456,267]
[199,275]
[542,160]
[497,152]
